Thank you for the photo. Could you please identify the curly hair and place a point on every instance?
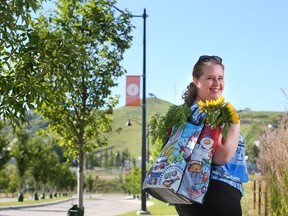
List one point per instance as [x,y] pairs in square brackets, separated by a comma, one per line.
[191,91]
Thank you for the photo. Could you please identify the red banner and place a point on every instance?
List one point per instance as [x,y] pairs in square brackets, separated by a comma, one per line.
[132,90]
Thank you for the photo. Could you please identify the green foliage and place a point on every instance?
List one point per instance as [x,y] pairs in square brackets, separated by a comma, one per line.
[64,66]
[77,51]
[4,180]
[82,44]
[16,89]
[37,163]
[4,148]
[9,180]
[251,134]
[131,137]
[219,114]
[278,201]
[260,118]
[252,126]
[89,182]
[62,177]
[21,151]
[132,182]
[160,124]
[42,160]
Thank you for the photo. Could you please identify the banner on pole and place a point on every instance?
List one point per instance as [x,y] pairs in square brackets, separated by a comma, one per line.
[132,90]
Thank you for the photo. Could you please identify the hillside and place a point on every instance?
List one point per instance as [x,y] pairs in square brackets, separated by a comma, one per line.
[130,137]
[252,123]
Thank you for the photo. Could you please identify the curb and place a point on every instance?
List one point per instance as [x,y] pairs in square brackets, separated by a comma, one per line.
[35,205]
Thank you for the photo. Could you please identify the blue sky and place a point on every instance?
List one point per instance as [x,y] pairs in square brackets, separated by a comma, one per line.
[250,36]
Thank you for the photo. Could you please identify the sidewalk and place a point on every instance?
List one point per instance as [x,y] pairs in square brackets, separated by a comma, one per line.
[97,204]
[22,206]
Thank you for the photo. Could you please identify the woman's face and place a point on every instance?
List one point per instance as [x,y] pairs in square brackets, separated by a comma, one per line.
[211,83]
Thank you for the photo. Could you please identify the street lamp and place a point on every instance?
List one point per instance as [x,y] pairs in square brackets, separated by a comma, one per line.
[143,209]
[128,124]
[143,193]
[143,165]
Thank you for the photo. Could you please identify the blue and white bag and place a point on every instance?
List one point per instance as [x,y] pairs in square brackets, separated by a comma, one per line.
[181,172]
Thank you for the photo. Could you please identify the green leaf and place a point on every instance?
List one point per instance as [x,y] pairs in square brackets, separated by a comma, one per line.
[225,130]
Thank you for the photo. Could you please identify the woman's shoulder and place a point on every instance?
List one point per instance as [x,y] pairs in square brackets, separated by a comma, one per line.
[197,116]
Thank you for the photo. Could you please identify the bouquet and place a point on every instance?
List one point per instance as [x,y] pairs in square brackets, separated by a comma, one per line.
[219,113]
[160,126]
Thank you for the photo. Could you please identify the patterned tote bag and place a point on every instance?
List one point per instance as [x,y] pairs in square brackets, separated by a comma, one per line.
[180,173]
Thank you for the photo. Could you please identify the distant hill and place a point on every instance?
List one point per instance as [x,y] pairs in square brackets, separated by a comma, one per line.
[131,136]
[252,124]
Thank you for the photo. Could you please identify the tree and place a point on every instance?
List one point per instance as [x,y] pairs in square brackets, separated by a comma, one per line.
[77,52]
[19,89]
[22,154]
[89,183]
[4,180]
[43,160]
[8,180]
[132,182]
[4,149]
[62,178]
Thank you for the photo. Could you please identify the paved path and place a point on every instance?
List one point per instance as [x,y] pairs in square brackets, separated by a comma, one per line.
[98,205]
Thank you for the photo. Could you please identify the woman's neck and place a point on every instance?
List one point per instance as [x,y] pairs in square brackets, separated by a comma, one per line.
[198,98]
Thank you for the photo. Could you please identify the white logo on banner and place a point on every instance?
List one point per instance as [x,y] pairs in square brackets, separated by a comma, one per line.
[132,89]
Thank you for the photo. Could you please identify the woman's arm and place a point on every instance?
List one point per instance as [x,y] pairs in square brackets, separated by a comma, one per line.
[226,147]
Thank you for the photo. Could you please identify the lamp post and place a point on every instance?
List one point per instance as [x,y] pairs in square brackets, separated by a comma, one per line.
[128,124]
[143,165]
[143,193]
[143,209]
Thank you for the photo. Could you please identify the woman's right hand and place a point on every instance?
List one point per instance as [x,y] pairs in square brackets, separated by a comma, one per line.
[226,147]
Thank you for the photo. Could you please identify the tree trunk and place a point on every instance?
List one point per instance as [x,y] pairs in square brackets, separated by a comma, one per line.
[80,186]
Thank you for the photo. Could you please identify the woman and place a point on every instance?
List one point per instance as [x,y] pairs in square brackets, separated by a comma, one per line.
[229,167]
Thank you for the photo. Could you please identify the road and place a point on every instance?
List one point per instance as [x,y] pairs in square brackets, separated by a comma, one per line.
[100,205]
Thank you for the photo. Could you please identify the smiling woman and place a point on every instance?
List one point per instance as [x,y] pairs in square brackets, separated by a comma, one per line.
[204,98]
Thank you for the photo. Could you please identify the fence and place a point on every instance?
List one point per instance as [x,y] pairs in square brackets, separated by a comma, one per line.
[262,196]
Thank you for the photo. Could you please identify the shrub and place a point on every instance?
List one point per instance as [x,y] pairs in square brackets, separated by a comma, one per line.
[273,160]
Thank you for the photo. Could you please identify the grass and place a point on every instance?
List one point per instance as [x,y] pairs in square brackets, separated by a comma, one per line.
[131,137]
[31,202]
[160,208]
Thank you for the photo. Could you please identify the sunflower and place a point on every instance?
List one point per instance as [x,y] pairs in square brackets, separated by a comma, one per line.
[219,113]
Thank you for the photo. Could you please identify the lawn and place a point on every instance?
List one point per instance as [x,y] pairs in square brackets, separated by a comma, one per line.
[32,202]
[160,208]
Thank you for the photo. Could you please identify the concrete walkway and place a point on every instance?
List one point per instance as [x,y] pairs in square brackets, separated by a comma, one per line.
[102,205]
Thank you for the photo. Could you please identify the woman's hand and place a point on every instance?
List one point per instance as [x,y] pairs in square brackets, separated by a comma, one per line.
[226,147]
